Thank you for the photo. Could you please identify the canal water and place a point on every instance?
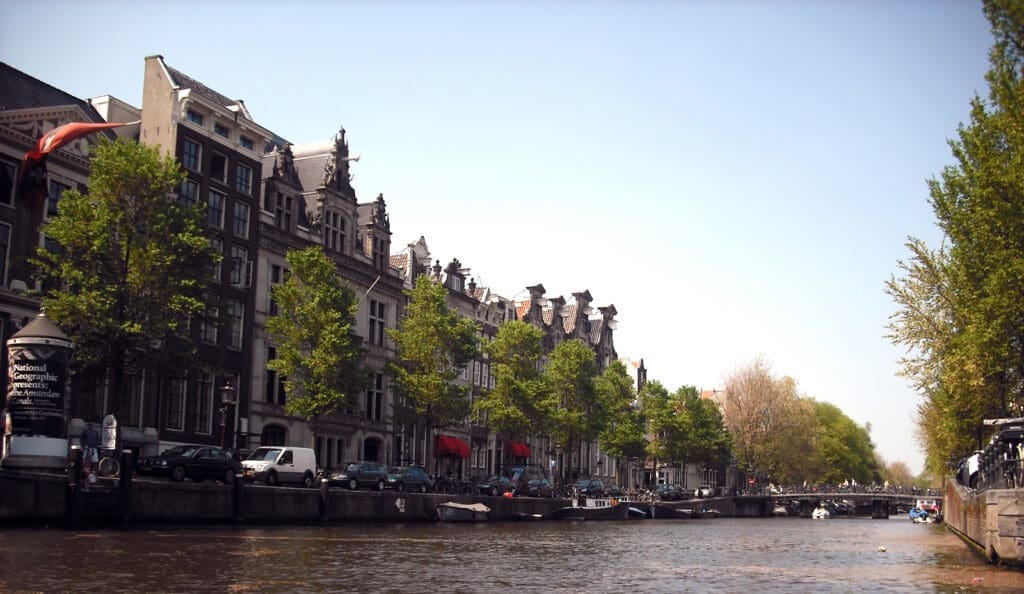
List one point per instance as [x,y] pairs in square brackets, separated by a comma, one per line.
[719,555]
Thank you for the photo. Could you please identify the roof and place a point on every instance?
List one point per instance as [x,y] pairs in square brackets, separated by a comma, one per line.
[187,82]
[21,91]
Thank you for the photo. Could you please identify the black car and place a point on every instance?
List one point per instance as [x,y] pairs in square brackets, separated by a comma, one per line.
[590,487]
[522,475]
[360,474]
[498,484]
[669,493]
[613,491]
[409,478]
[537,487]
[196,462]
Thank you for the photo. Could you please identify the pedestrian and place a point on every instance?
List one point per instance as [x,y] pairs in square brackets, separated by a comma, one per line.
[90,447]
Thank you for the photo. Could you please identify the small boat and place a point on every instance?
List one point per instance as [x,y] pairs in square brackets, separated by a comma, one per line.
[665,511]
[596,509]
[780,511]
[821,513]
[462,512]
[707,513]
[925,511]
[637,513]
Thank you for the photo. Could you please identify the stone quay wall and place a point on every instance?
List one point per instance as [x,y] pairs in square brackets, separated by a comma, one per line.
[992,520]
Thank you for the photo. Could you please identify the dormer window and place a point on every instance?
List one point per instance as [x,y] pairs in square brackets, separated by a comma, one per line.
[245,142]
[195,117]
[220,130]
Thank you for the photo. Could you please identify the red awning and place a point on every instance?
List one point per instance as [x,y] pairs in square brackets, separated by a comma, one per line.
[519,449]
[451,446]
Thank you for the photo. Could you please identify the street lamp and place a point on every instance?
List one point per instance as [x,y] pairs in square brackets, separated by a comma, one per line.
[227,396]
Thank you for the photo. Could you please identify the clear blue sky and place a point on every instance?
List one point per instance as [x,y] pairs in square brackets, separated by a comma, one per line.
[737,178]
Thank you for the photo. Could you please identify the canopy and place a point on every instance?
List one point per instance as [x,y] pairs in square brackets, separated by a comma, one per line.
[451,446]
[519,449]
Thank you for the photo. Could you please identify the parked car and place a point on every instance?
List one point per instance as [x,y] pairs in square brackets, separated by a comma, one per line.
[196,462]
[537,487]
[279,464]
[705,491]
[669,492]
[613,491]
[522,475]
[498,484]
[409,478]
[590,487]
[360,474]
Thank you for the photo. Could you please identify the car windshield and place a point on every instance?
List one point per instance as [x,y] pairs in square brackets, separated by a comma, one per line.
[266,454]
[352,468]
[184,451]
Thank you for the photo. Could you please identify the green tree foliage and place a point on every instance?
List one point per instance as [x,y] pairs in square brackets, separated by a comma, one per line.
[688,429]
[434,344]
[318,350]
[573,405]
[654,406]
[844,449]
[625,435]
[514,405]
[968,362]
[130,270]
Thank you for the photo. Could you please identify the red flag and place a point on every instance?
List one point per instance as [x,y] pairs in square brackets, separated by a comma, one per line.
[51,141]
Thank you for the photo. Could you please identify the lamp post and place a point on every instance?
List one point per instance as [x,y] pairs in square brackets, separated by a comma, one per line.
[227,396]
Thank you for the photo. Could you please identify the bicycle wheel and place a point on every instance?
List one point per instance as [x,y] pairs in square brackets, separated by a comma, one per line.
[108,466]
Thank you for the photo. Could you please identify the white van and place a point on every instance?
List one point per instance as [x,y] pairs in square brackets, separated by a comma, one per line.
[274,465]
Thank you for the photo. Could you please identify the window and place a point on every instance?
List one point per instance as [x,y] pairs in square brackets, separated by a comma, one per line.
[215,268]
[208,327]
[215,209]
[191,154]
[245,142]
[174,413]
[235,313]
[240,266]
[241,219]
[275,279]
[189,191]
[220,130]
[56,191]
[8,174]
[378,321]
[272,435]
[204,404]
[5,242]
[283,212]
[243,179]
[195,117]
[274,385]
[219,168]
[136,385]
[334,231]
[375,398]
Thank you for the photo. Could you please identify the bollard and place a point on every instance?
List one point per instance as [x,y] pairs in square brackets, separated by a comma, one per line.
[74,504]
[126,485]
[325,512]
[236,499]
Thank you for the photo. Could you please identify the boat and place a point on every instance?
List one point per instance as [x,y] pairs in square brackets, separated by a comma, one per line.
[636,512]
[820,513]
[462,512]
[596,509]
[925,511]
[665,511]
[780,511]
[707,513]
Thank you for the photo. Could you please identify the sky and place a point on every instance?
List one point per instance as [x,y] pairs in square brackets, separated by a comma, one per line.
[737,178]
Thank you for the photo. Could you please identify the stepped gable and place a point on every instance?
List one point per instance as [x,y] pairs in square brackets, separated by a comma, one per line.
[22,91]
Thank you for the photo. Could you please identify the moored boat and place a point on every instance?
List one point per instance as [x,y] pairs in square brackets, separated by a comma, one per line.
[596,509]
[820,513]
[462,512]
[925,511]
[665,511]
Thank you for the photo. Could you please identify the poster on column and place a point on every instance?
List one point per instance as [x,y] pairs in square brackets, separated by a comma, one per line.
[36,383]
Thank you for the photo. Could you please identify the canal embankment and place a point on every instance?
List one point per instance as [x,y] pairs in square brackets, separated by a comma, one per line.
[990,520]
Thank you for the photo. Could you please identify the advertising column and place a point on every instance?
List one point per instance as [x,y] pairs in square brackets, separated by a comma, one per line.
[37,404]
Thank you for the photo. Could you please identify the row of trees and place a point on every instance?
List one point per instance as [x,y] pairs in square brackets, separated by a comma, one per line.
[128,285]
[959,306]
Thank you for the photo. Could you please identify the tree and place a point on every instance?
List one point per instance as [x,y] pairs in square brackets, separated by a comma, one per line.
[433,345]
[513,406]
[625,435]
[130,269]
[970,364]
[844,449]
[573,405]
[771,428]
[318,351]
[654,406]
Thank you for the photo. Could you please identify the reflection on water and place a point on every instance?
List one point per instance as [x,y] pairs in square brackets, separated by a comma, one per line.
[724,555]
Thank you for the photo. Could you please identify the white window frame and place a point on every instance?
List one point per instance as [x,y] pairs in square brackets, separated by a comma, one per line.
[5,162]
[176,394]
[240,224]
[198,155]
[204,403]
[247,187]
[223,198]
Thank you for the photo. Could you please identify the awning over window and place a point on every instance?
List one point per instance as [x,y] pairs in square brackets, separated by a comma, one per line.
[518,449]
[447,445]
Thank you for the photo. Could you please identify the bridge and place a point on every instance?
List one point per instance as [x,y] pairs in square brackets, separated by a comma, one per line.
[878,505]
